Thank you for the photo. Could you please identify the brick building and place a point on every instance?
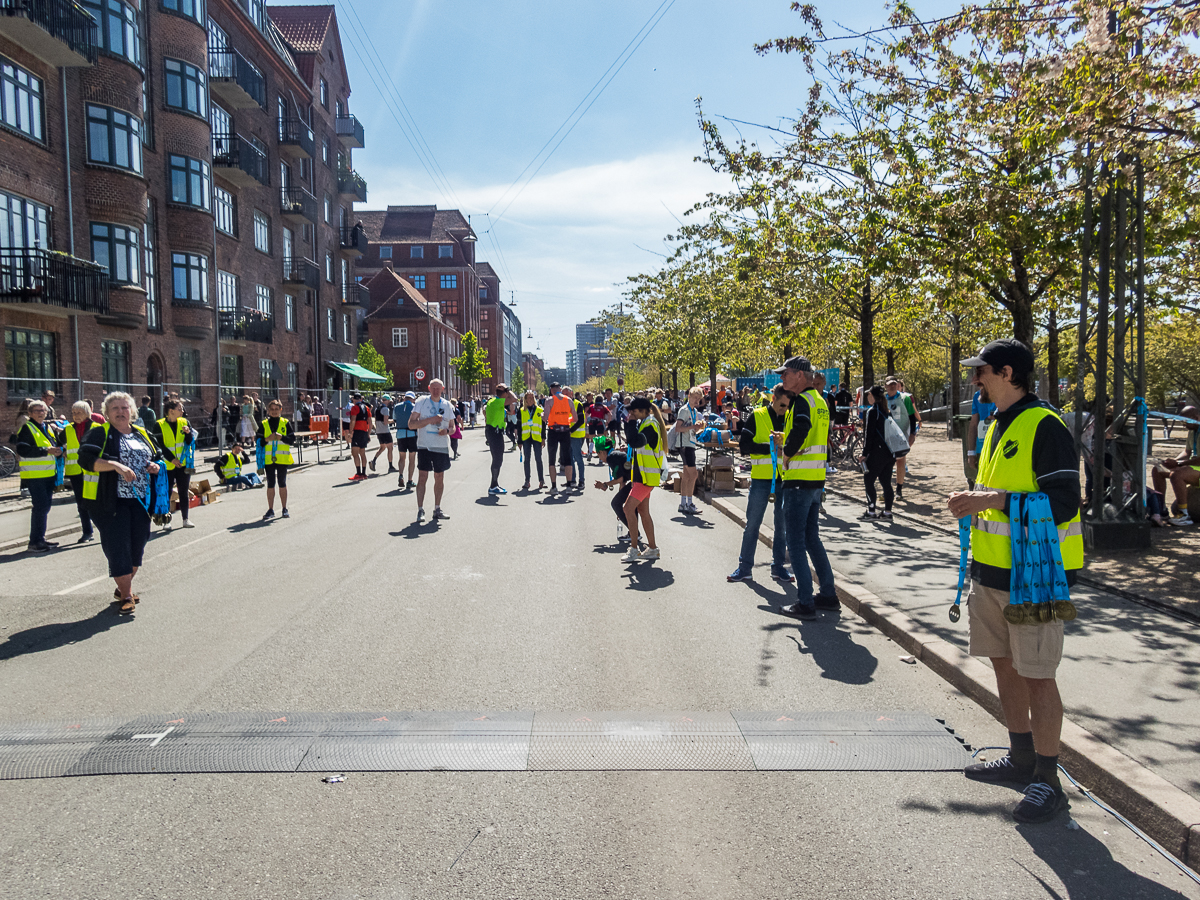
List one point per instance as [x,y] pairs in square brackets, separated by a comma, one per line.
[163,228]
[534,369]
[412,334]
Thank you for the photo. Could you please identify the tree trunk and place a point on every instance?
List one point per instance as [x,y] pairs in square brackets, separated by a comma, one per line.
[891,360]
[955,370]
[866,321]
[1052,360]
[691,380]
[675,382]
[712,383]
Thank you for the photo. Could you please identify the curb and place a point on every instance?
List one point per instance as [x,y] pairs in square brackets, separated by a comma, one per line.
[1163,811]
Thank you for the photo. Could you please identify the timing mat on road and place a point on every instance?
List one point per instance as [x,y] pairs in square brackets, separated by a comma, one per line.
[482,741]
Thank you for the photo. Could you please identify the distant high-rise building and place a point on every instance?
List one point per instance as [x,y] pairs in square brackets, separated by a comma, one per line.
[591,350]
[572,368]
[557,373]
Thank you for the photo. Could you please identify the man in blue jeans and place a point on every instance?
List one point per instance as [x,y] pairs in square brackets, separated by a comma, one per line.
[803,454]
[755,444]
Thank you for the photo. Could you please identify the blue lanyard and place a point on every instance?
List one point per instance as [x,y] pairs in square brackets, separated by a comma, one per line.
[1038,582]
[964,544]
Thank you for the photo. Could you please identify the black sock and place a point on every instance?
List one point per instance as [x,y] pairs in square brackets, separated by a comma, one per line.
[1046,771]
[1021,749]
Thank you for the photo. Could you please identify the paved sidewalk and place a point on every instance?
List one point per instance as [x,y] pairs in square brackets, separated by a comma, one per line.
[1129,674]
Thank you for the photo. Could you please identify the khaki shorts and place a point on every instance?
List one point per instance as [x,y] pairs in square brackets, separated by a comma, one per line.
[1035,650]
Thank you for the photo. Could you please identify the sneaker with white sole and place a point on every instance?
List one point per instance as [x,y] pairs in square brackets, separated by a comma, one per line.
[683,507]
[1000,771]
[631,555]
[1185,519]
[438,514]
[651,553]
[284,514]
[739,574]
[1041,803]
[420,516]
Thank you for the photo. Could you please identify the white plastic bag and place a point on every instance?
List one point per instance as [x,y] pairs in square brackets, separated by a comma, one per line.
[896,441]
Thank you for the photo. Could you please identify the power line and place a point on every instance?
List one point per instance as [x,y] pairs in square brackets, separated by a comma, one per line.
[594,93]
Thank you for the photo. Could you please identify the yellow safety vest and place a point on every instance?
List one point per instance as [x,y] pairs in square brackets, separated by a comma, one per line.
[277,452]
[581,429]
[809,463]
[173,442]
[1010,468]
[651,463]
[531,424]
[231,469]
[91,480]
[38,466]
[72,444]
[760,466]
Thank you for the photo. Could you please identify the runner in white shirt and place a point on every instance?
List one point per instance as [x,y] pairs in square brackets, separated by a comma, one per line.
[433,419]
[688,421]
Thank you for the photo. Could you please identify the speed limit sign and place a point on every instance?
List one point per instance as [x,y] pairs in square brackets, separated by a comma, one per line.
[420,374]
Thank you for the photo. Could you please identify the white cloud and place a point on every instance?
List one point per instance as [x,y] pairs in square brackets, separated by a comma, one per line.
[571,238]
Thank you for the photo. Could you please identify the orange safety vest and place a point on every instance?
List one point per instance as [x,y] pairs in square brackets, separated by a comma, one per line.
[562,411]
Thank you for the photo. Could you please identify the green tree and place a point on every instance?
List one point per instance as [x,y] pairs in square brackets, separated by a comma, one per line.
[472,364]
[518,385]
[370,358]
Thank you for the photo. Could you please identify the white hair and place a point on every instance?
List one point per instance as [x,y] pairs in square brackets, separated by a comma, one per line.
[114,396]
[81,405]
[433,381]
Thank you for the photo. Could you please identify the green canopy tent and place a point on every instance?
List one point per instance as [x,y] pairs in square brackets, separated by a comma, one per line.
[354,370]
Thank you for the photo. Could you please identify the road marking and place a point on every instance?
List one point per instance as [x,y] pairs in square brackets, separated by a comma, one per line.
[157,737]
[173,550]
[380,719]
[175,722]
[280,719]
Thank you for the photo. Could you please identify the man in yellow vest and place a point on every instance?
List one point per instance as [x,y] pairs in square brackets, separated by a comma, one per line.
[1027,449]
[802,449]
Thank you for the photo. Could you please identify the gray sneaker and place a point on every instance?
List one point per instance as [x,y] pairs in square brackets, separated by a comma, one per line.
[438,514]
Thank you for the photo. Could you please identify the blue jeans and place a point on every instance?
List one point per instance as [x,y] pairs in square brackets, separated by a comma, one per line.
[41,492]
[801,514]
[577,458]
[756,507]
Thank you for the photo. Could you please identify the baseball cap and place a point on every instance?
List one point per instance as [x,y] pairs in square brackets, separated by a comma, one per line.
[409,395]
[1005,352]
[796,364]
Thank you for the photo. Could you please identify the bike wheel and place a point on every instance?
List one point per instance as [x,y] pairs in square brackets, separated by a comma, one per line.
[8,462]
[853,449]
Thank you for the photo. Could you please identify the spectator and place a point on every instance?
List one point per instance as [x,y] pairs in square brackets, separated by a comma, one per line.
[48,399]
[842,401]
[146,414]
[71,439]
[877,457]
[38,447]
[900,406]
[119,458]
[982,415]
[229,469]
[1183,471]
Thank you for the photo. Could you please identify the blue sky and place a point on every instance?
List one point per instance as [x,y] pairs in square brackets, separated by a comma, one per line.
[488,83]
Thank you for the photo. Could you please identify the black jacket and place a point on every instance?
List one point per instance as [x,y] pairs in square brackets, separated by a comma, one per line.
[99,443]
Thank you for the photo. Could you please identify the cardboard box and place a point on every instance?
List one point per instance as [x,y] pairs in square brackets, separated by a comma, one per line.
[200,487]
[720,461]
[193,502]
[211,497]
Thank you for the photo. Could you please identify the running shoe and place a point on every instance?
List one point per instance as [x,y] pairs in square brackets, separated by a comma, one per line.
[739,574]
[372,465]
[783,576]
[631,555]
[497,490]
[885,514]
[796,611]
[187,523]
[411,484]
[438,514]
[899,492]
[651,553]
[40,547]
[683,507]
[392,469]
[1000,771]
[284,514]
[86,538]
[269,514]
[869,513]
[827,602]
[1041,803]
[420,516]
[1185,519]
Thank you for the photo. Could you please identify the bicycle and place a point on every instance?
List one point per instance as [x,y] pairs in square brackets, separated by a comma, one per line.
[8,462]
[845,444]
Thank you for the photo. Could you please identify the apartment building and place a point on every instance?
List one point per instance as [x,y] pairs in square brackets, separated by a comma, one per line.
[160,168]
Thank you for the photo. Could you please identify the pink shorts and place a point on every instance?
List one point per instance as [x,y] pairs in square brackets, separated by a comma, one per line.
[639,491]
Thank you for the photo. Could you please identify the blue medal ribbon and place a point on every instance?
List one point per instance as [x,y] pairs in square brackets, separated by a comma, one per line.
[60,469]
[964,545]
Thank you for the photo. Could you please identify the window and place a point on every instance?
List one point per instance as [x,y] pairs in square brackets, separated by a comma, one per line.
[257,10]
[262,300]
[329,324]
[449,281]
[449,307]
[23,223]
[399,337]
[266,377]
[262,232]
[325,150]
[483,334]
[289,312]
[114,138]
[118,28]
[418,282]
[293,381]
[345,279]
[222,128]
[185,88]
[153,312]
[324,94]
[340,106]
[30,362]
[117,249]
[227,291]
[327,208]
[329,267]
[231,371]
[21,105]
[114,365]
[483,293]
[190,9]
[416,252]
[189,275]
[226,211]
[345,328]
[483,315]
[191,181]
[445,251]
[189,374]
[385,252]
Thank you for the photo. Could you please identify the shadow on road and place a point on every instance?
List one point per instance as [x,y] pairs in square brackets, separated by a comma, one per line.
[59,634]
[645,577]
[609,548]
[416,529]
[837,655]
[246,526]
[692,521]
[489,500]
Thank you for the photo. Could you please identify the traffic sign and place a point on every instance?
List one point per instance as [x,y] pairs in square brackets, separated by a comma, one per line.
[420,374]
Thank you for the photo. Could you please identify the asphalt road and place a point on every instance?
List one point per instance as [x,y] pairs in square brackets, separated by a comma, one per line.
[514,603]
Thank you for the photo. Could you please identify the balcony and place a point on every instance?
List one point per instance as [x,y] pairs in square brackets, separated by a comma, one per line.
[296,139]
[47,281]
[246,325]
[238,161]
[350,132]
[352,186]
[357,295]
[297,205]
[235,81]
[58,32]
[352,241]
[298,270]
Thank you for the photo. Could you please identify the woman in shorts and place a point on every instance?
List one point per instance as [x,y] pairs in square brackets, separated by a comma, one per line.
[645,435]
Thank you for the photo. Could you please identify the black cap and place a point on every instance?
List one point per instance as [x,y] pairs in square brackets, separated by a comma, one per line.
[796,364]
[640,403]
[1006,352]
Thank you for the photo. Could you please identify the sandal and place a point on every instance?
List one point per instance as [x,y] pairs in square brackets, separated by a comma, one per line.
[117,596]
[127,606]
